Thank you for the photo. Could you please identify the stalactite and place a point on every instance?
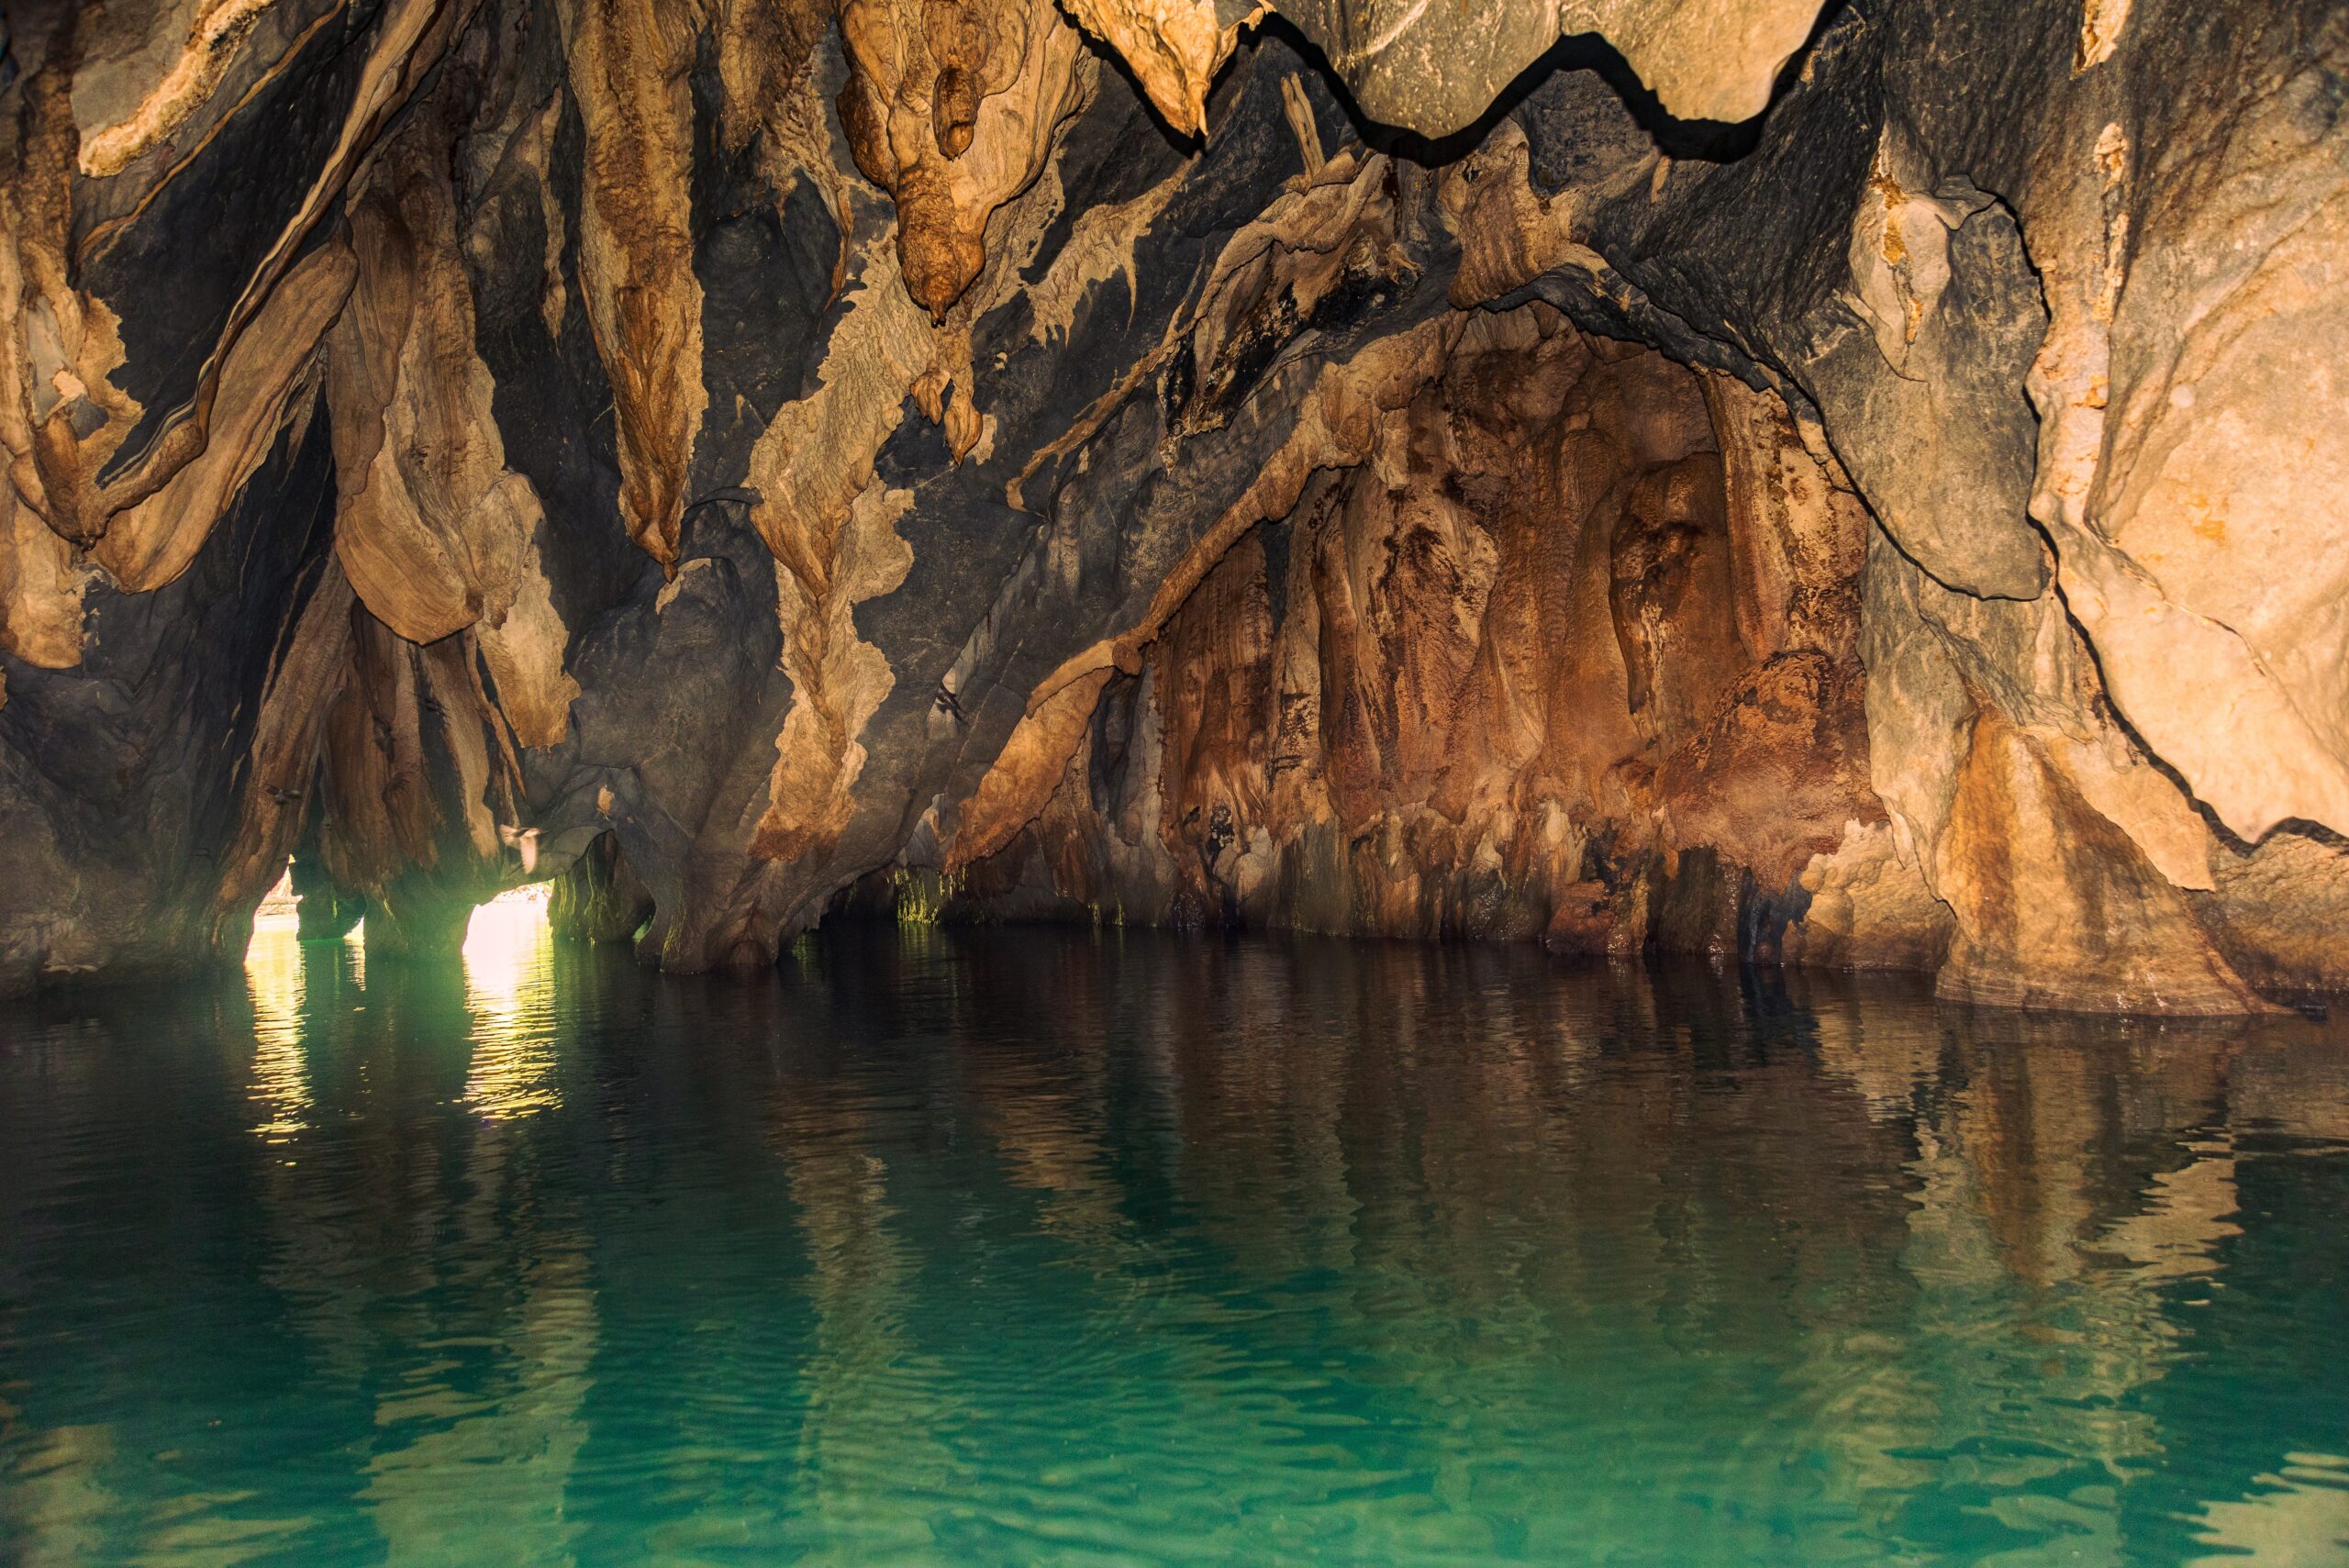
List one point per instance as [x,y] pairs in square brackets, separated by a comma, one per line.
[1111,462]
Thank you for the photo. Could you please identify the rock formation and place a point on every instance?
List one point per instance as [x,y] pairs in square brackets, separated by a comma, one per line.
[1850,486]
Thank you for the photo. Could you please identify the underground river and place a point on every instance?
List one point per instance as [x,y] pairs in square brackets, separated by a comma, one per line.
[1067,1247]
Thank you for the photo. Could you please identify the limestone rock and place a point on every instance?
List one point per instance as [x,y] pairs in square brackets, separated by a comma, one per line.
[1838,489]
[433,532]
[1174,47]
[599,898]
[40,594]
[629,62]
[1434,71]
[951,106]
[2054,906]
[1415,705]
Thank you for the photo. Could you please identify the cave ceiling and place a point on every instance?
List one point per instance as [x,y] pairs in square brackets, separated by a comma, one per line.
[1851,485]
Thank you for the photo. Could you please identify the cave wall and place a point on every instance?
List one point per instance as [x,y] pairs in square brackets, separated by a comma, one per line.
[1851,487]
[1566,646]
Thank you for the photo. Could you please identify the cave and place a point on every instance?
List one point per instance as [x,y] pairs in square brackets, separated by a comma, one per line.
[1648,492]
[1487,679]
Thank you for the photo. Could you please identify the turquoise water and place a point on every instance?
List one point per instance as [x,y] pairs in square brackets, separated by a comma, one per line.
[1039,1247]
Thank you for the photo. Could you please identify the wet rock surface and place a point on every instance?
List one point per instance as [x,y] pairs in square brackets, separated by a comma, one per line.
[1852,487]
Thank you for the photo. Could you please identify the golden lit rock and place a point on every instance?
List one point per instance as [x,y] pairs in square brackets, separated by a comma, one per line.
[951,106]
[1810,489]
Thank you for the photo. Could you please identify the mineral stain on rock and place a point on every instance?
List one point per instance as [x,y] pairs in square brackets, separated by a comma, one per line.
[1797,485]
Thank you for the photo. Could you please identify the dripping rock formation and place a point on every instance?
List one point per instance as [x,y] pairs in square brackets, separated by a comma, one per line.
[1849,484]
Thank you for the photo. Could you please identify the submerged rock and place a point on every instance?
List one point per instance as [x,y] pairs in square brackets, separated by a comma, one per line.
[1803,486]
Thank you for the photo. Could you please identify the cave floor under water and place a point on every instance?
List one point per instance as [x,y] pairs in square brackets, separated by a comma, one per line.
[1067,1247]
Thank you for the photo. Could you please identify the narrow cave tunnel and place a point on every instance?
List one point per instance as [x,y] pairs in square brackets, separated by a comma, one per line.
[303,905]
[1010,781]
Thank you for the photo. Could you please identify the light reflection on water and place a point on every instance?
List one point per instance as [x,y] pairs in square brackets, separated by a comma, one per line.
[278,973]
[1021,1247]
[280,1088]
[508,991]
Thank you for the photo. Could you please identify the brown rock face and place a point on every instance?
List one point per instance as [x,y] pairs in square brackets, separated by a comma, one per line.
[951,106]
[433,532]
[1435,68]
[628,60]
[1485,678]
[1863,492]
[2054,906]
[418,773]
[1174,47]
[600,898]
[69,425]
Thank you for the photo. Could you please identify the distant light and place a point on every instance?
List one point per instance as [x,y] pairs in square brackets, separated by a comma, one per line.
[507,946]
[278,906]
[277,922]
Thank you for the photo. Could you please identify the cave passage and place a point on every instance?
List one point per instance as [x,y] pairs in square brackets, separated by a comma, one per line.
[505,946]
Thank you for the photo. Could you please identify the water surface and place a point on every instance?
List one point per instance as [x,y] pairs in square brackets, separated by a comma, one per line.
[1074,1247]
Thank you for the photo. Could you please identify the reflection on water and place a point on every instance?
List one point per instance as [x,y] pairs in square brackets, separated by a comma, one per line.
[2297,1519]
[1045,1247]
[510,993]
[279,970]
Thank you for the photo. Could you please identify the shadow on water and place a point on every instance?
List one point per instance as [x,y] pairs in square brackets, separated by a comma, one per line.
[998,1246]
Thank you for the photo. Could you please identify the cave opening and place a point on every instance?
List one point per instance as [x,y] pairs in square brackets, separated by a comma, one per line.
[503,934]
[508,928]
[317,913]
